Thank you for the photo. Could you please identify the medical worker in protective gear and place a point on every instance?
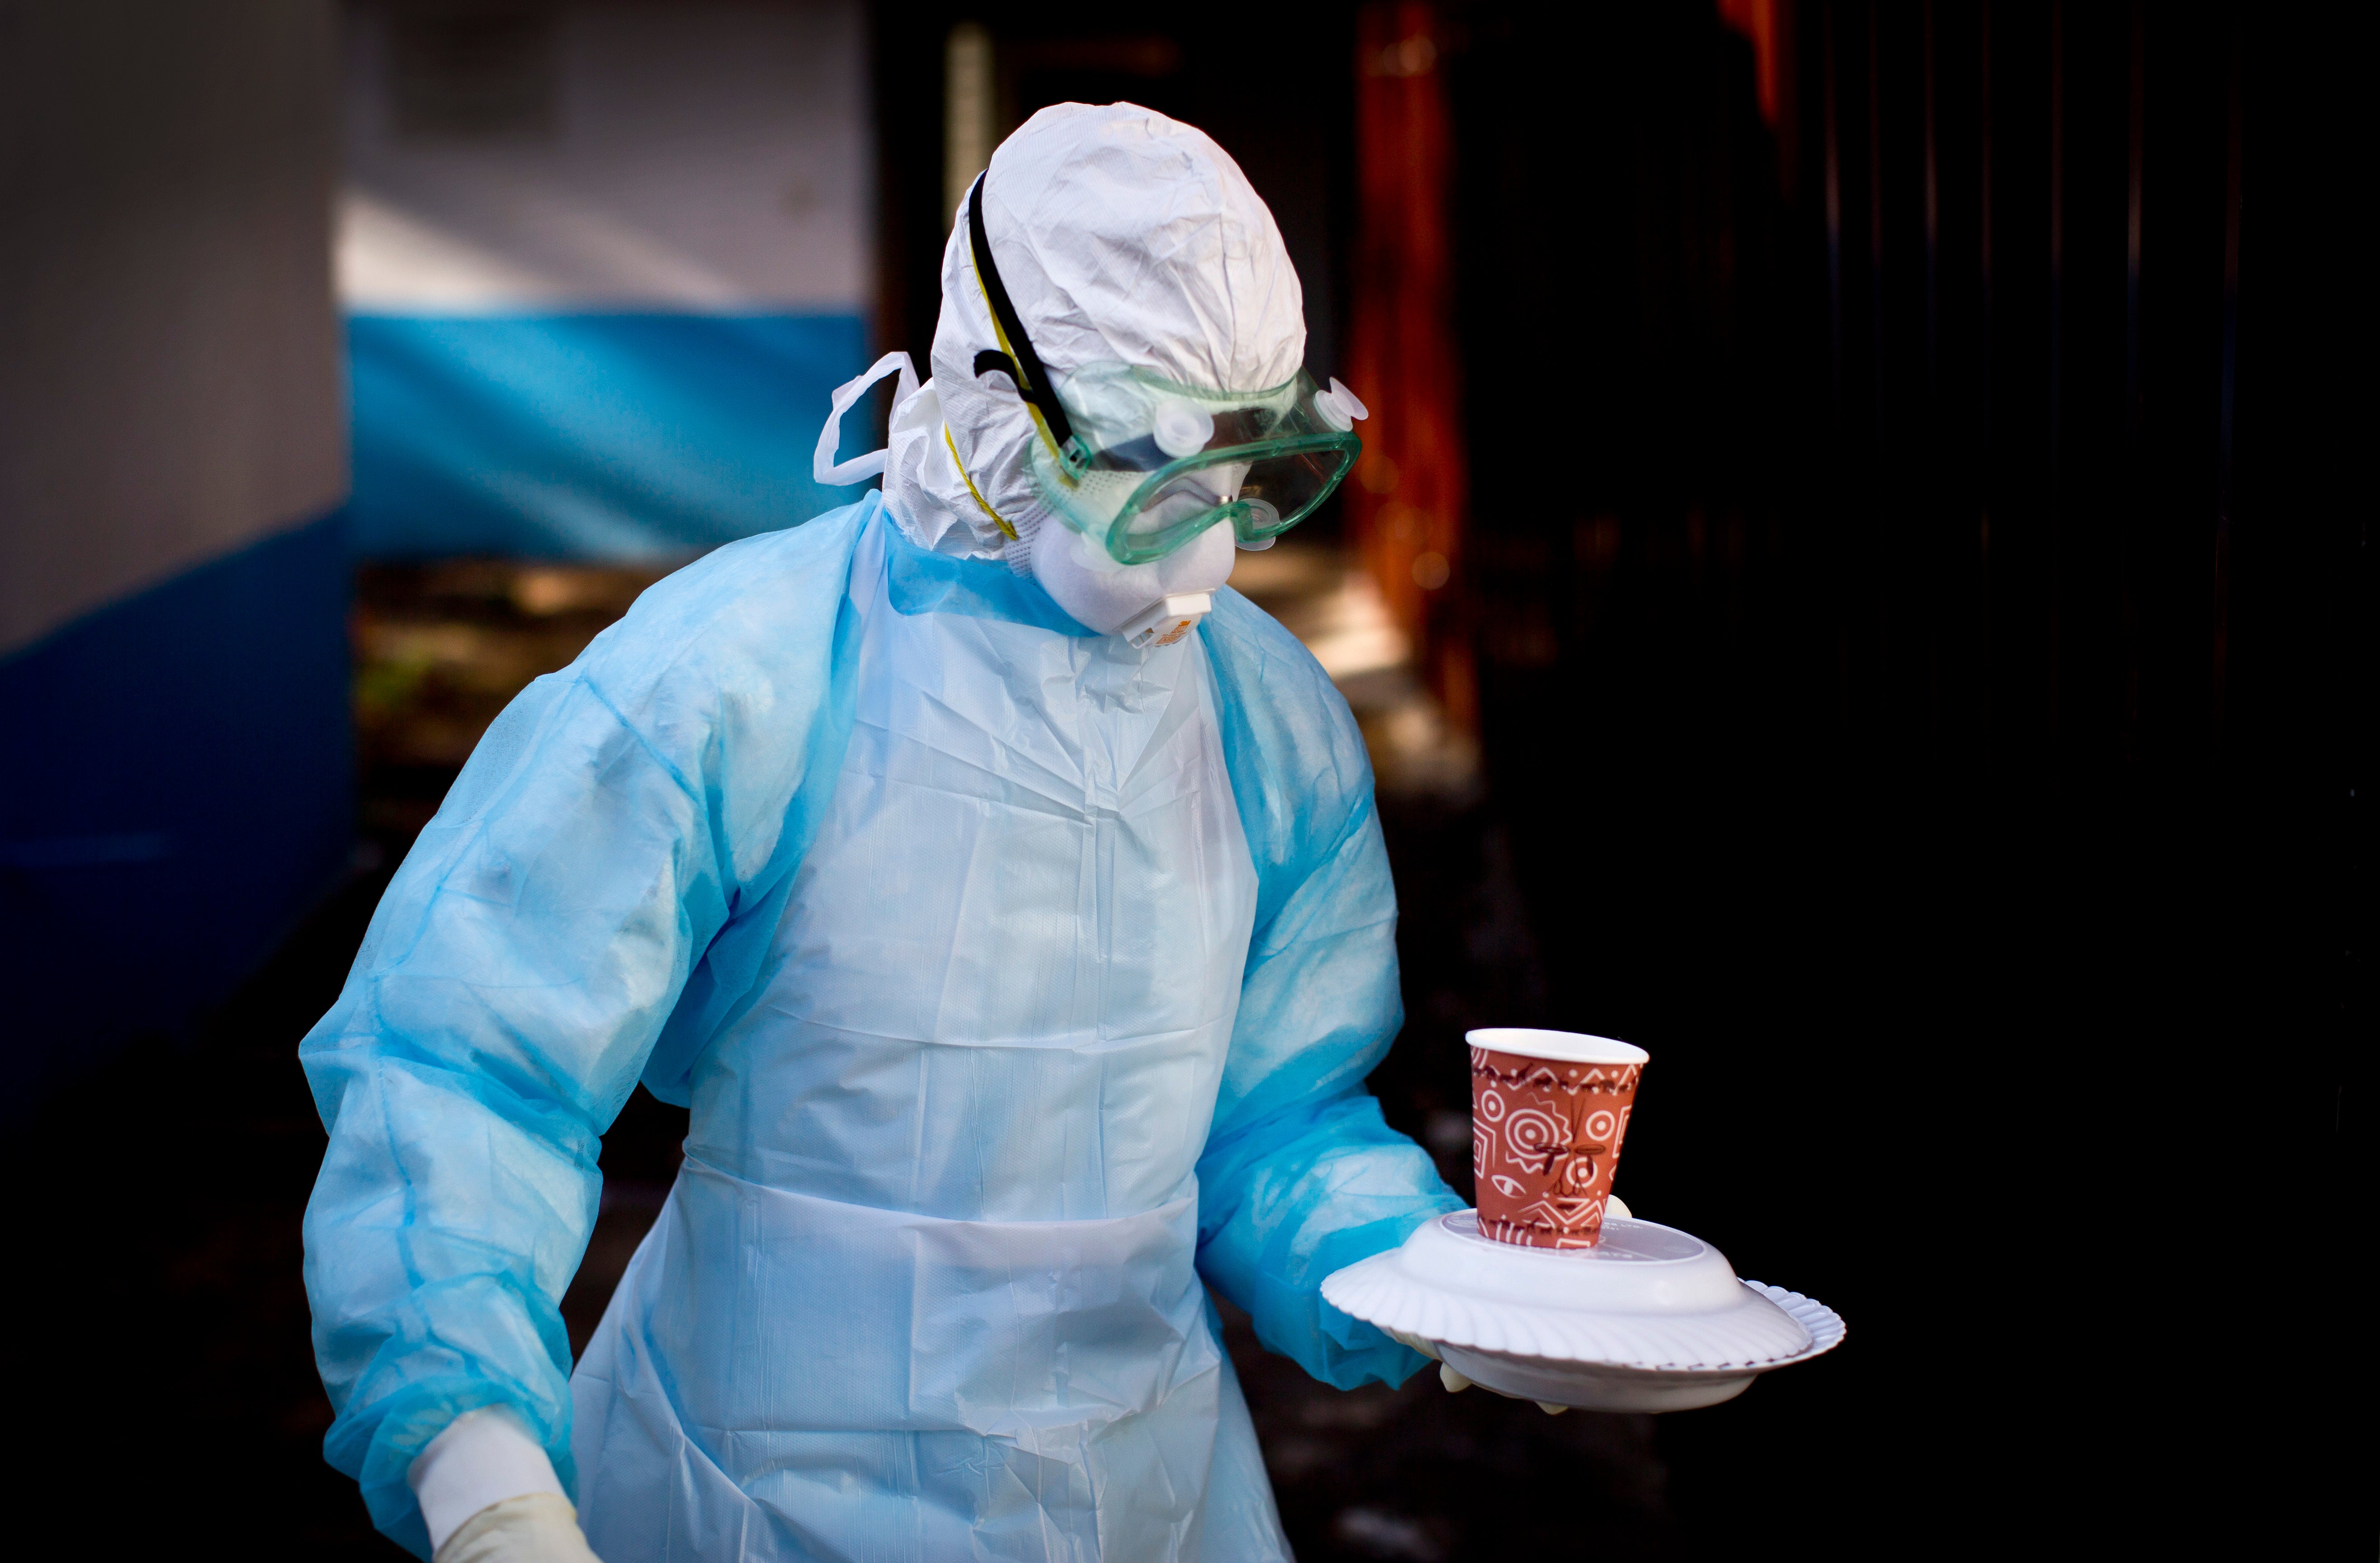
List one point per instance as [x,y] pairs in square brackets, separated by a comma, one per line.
[1005,898]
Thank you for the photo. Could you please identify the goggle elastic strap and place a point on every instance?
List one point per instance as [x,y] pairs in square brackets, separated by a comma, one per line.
[1020,362]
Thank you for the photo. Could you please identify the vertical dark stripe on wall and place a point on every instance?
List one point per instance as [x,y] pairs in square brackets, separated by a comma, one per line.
[1876,237]
[1834,217]
[1933,227]
[1934,512]
[1834,209]
[2128,560]
[2057,518]
[1885,545]
[2231,178]
[2136,127]
[1986,682]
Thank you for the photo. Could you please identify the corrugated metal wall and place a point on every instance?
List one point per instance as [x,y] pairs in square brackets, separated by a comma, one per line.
[1919,677]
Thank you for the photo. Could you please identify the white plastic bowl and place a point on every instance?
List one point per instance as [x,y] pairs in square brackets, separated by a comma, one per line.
[1650,1319]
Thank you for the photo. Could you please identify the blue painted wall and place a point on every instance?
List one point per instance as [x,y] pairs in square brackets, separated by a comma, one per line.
[589,436]
[178,793]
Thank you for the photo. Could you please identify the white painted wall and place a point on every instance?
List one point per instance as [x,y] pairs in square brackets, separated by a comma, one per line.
[703,156]
[169,357]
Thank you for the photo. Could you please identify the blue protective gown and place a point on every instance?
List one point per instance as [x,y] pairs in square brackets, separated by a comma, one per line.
[1019,982]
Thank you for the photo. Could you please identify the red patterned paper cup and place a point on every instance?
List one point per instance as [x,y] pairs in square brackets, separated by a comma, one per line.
[1548,1111]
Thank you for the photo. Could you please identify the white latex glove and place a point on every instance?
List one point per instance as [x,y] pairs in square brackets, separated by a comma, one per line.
[533,1528]
[488,1494]
[1455,1383]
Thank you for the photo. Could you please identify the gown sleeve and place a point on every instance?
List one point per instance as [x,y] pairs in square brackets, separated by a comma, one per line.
[590,869]
[1300,1176]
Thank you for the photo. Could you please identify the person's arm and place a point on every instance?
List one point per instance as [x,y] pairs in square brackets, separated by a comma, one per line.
[614,820]
[1300,1176]
[484,1457]
[512,982]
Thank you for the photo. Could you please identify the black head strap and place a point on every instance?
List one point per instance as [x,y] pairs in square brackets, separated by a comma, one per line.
[1020,363]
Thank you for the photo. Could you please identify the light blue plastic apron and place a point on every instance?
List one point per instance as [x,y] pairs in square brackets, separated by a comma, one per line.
[924,1287]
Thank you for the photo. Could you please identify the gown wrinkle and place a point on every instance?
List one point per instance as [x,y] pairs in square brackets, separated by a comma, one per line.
[974,925]
[968,1146]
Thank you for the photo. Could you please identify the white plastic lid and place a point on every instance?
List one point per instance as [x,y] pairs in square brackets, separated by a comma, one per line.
[1562,1046]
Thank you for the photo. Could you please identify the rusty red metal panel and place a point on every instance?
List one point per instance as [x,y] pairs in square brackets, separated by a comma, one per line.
[1406,506]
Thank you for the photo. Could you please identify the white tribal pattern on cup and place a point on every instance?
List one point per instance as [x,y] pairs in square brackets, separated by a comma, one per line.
[1545,1140]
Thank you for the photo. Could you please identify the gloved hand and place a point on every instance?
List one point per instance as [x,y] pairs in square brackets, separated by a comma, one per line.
[1455,1383]
[488,1494]
[532,1528]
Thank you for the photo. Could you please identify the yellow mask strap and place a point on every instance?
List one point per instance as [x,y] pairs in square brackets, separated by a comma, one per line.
[1005,530]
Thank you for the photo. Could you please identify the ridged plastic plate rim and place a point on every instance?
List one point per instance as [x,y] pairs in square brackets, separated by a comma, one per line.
[1750,1328]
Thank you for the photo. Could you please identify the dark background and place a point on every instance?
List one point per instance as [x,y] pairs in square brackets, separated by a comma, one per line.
[1925,698]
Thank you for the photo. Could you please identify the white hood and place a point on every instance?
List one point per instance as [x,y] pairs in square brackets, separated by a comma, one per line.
[1123,236]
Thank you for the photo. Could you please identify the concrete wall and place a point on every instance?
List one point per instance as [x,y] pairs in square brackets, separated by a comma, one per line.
[602,264]
[169,359]
[701,156]
[173,565]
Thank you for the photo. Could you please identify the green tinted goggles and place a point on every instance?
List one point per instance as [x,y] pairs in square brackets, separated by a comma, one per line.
[1165,461]
[1142,465]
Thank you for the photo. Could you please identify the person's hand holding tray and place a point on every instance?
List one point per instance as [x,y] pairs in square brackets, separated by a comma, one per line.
[1546,1292]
